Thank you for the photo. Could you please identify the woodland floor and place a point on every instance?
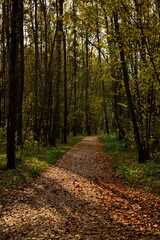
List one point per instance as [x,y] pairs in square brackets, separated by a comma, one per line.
[80,198]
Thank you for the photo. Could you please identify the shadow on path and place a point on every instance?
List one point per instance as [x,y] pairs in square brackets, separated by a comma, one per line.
[67,202]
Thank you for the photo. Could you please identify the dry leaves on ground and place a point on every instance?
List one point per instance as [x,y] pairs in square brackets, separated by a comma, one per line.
[80,198]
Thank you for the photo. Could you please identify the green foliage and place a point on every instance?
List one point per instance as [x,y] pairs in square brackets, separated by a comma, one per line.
[115,147]
[125,164]
[3,140]
[35,160]
[2,158]
[147,174]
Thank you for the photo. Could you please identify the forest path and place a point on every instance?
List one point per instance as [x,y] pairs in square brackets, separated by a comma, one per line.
[79,198]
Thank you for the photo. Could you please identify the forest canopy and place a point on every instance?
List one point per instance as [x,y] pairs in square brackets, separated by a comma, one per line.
[78,67]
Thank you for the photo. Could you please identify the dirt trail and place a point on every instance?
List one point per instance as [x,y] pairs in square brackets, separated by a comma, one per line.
[79,198]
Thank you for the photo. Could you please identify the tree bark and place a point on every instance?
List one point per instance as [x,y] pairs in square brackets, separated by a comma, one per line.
[106,127]
[21,74]
[75,122]
[140,150]
[87,107]
[13,86]
[56,118]
[36,134]
[65,90]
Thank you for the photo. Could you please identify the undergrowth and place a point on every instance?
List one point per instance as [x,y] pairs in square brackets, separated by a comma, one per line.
[33,162]
[124,161]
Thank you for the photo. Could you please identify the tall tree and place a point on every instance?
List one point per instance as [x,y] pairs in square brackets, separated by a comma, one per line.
[106,126]
[13,87]
[65,90]
[141,153]
[36,77]
[20,73]
[75,122]
[56,118]
[87,79]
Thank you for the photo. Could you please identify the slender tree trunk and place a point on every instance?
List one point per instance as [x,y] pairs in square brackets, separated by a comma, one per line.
[56,118]
[45,104]
[65,90]
[121,131]
[75,71]
[116,85]
[3,63]
[50,99]
[21,75]
[87,107]
[6,53]
[106,127]
[141,154]
[36,134]
[144,48]
[145,43]
[13,86]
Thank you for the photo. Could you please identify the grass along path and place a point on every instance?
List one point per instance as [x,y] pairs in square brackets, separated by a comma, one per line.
[34,161]
[124,161]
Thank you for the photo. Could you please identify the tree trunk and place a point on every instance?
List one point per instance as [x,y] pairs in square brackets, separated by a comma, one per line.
[56,118]
[141,154]
[36,134]
[75,122]
[87,107]
[21,74]
[65,90]
[13,86]
[106,127]
[116,85]
[121,131]
[3,60]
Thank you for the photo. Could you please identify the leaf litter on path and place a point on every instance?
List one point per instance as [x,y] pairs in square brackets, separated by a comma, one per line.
[80,198]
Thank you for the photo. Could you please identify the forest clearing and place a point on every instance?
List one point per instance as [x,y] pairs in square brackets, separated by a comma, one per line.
[80,198]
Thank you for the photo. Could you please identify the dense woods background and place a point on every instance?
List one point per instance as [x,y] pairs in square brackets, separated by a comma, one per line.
[77,67]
